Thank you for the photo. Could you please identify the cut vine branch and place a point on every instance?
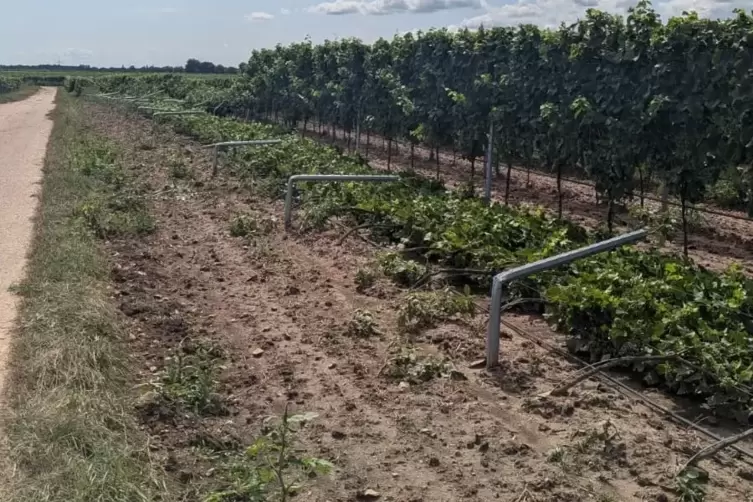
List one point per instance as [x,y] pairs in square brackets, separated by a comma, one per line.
[361,227]
[450,271]
[611,363]
[715,448]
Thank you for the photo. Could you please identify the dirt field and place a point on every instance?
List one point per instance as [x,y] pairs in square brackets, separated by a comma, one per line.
[278,306]
[24,131]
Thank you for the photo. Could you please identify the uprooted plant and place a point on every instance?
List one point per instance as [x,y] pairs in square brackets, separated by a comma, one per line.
[592,446]
[362,325]
[365,279]
[248,225]
[411,367]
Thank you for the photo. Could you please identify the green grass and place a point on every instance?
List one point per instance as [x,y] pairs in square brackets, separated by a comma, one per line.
[19,94]
[71,435]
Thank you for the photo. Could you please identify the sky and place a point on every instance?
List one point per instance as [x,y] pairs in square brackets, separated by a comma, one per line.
[149,32]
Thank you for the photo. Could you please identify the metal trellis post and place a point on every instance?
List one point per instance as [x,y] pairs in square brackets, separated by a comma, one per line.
[504,278]
[327,178]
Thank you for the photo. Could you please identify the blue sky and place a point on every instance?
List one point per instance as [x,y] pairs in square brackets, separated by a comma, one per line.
[143,32]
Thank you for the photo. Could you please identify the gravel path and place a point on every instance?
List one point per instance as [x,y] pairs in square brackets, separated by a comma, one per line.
[24,131]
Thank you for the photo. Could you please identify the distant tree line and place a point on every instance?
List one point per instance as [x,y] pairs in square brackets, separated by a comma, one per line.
[192,66]
[196,66]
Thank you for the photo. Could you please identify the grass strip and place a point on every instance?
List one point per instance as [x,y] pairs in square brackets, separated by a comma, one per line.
[70,432]
[25,91]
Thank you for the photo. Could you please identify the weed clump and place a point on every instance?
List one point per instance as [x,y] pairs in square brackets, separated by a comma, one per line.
[410,367]
[189,380]
[178,169]
[113,215]
[248,225]
[362,325]
[242,226]
[421,310]
[112,208]
[180,172]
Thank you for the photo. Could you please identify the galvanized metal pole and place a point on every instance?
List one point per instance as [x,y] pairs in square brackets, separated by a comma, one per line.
[232,144]
[489,151]
[326,178]
[504,278]
[255,142]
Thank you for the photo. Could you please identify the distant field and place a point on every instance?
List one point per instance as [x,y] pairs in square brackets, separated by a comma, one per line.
[96,73]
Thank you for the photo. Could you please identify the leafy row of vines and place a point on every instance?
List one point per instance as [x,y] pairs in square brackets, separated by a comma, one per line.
[9,84]
[623,100]
[627,302]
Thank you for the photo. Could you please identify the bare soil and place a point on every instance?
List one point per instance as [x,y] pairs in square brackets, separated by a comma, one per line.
[24,131]
[715,241]
[278,305]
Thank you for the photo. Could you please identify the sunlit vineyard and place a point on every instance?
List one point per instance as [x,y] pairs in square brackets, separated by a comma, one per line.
[626,303]
[629,102]
[273,279]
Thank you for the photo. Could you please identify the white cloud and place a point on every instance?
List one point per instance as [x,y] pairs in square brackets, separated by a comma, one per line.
[550,13]
[540,12]
[285,12]
[706,8]
[385,7]
[337,7]
[259,16]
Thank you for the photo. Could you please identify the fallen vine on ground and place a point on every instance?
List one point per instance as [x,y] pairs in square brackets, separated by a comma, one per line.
[627,303]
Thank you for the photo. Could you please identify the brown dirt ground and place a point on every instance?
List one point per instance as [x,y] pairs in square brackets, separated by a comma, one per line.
[716,242]
[478,437]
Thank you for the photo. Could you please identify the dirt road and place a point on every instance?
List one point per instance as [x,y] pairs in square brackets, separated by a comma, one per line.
[24,131]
